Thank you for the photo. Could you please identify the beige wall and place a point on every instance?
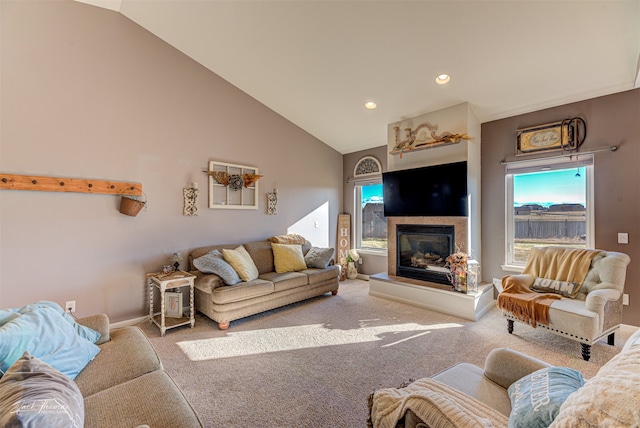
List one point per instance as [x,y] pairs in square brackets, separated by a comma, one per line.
[87,93]
[371,263]
[611,120]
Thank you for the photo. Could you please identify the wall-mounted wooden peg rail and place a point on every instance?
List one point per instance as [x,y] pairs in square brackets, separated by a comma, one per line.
[57,184]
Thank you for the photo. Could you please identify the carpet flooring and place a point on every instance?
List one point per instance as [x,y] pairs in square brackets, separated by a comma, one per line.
[313,363]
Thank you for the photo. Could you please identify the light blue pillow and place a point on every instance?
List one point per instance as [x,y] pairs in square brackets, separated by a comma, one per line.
[86,332]
[537,397]
[47,336]
[211,263]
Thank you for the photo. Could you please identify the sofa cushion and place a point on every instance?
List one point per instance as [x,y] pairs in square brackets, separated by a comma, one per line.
[47,336]
[152,399]
[286,281]
[563,288]
[34,394]
[316,276]
[537,397]
[241,262]
[242,291]
[609,399]
[214,263]
[318,257]
[262,255]
[288,258]
[571,316]
[127,355]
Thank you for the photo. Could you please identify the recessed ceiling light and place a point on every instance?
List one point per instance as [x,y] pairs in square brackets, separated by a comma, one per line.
[370,105]
[442,79]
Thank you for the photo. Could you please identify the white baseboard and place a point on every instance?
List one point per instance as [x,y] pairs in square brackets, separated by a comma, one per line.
[126,323]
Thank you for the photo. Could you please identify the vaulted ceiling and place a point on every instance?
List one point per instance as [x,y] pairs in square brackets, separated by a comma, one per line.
[317,62]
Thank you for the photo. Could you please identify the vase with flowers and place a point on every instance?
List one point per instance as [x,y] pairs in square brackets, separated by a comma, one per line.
[349,263]
[457,265]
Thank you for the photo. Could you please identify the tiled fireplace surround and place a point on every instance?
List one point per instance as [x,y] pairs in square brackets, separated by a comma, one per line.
[460,224]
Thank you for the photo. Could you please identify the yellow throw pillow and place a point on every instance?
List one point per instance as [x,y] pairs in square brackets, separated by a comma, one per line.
[288,258]
[241,261]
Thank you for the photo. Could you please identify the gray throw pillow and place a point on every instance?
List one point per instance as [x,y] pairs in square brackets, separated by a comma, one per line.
[563,288]
[32,393]
[210,263]
[217,254]
[318,257]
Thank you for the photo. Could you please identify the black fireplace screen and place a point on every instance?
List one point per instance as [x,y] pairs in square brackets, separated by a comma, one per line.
[422,251]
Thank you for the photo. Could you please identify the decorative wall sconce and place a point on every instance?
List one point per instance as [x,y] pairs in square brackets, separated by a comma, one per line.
[190,200]
[272,202]
[176,259]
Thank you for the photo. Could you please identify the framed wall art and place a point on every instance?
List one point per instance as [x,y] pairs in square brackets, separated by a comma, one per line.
[233,186]
[173,305]
[539,138]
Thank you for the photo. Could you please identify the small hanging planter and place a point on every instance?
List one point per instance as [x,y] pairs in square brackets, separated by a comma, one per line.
[131,206]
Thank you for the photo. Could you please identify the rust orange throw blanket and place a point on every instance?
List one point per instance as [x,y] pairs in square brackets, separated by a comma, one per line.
[557,263]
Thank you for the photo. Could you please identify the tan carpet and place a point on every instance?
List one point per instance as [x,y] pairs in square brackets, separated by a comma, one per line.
[312,364]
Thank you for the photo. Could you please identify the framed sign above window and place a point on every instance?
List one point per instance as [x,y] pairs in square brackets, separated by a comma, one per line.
[539,138]
[566,135]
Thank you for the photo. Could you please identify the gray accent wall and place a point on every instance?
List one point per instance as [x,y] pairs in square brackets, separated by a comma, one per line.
[611,120]
[87,93]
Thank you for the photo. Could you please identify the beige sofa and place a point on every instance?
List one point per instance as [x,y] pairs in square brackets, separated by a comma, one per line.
[611,398]
[270,290]
[125,384]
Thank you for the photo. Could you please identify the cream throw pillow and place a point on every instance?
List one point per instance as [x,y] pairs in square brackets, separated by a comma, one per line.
[241,262]
[288,258]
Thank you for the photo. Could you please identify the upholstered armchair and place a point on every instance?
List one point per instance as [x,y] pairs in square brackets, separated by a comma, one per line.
[586,315]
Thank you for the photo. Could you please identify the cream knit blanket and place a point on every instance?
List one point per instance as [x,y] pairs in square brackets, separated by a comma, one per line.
[610,399]
[436,404]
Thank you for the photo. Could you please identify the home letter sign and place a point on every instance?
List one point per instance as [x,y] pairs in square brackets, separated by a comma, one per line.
[344,238]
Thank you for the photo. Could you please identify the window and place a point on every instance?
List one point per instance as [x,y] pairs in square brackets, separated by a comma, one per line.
[370,222]
[549,202]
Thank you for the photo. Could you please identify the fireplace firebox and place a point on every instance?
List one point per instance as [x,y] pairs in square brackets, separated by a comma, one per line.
[422,251]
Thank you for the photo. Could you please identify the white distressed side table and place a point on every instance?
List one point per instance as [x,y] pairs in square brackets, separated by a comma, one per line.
[164,282]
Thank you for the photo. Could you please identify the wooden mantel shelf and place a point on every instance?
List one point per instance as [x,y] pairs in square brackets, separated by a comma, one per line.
[58,184]
[431,145]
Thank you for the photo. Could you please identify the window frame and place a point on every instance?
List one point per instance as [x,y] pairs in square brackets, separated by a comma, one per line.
[555,163]
[357,217]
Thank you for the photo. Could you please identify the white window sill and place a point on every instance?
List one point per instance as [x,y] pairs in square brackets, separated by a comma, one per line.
[512,268]
[366,251]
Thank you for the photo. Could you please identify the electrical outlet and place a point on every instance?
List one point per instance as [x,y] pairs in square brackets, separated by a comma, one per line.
[623,238]
[625,299]
[70,306]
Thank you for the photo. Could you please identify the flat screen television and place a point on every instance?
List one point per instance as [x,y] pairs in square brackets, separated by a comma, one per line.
[439,190]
